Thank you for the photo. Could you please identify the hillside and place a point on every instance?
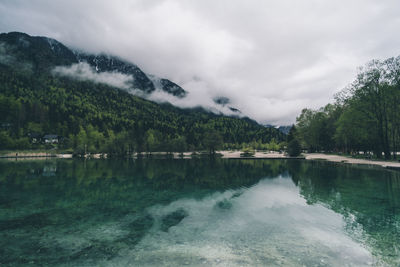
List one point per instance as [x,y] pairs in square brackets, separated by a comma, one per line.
[35,100]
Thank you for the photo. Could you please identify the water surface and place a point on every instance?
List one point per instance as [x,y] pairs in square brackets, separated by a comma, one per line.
[197,213]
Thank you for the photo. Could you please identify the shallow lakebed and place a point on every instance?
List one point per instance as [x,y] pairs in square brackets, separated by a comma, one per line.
[198,212]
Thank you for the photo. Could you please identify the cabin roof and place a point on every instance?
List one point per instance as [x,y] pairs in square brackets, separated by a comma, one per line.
[50,136]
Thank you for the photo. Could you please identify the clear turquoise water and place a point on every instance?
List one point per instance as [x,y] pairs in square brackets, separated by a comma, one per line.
[198,213]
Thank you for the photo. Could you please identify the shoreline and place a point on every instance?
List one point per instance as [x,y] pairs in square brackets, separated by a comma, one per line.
[348,160]
[27,155]
[235,154]
[224,154]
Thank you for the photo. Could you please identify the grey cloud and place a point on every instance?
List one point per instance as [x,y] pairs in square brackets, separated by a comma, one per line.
[271,58]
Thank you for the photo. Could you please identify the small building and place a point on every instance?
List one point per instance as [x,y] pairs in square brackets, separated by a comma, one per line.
[35,137]
[50,139]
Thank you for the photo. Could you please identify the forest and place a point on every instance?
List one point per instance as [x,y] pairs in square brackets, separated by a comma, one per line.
[96,118]
[87,116]
[364,118]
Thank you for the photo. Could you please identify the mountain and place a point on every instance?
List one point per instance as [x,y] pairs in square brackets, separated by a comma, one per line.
[285,129]
[46,53]
[106,63]
[224,101]
[42,92]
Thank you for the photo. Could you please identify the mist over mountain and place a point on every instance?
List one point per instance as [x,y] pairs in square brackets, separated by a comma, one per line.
[46,54]
[47,88]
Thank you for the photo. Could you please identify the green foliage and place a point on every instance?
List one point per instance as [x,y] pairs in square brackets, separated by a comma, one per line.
[99,119]
[179,144]
[294,148]
[212,140]
[247,152]
[316,128]
[93,117]
[273,145]
[293,144]
[153,140]
[5,141]
[365,116]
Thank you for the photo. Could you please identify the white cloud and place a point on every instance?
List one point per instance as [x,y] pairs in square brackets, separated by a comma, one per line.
[271,58]
[196,98]
[83,71]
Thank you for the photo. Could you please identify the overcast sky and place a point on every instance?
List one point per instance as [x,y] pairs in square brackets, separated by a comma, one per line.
[272,58]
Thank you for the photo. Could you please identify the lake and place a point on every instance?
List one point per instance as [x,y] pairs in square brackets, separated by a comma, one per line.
[199,212]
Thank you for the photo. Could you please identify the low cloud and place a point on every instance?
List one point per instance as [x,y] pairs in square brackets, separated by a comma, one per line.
[271,58]
[84,72]
[197,98]
[192,100]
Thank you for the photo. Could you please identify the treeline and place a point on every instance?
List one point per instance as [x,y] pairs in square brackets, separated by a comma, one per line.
[364,118]
[97,118]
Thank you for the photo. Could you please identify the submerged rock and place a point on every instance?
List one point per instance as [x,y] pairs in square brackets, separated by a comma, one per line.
[224,204]
[137,230]
[173,219]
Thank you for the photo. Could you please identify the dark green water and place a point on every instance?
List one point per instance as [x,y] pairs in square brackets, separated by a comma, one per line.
[197,213]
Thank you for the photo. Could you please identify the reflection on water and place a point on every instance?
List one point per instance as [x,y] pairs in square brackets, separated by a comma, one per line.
[198,212]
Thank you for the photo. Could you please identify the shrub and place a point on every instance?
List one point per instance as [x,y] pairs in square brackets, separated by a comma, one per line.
[294,148]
